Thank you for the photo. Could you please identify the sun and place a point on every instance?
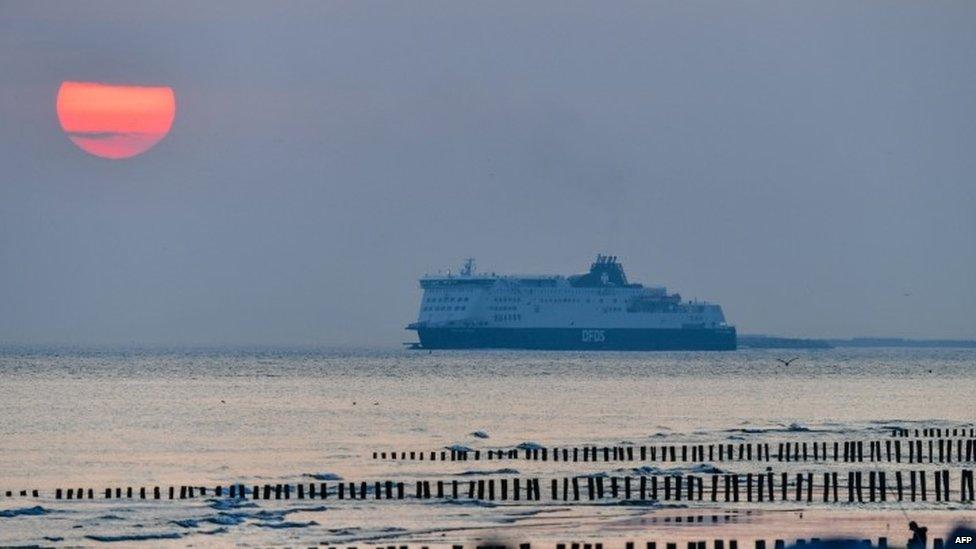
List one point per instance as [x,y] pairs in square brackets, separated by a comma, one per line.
[113,121]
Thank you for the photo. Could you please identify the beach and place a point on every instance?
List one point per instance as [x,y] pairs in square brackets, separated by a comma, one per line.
[207,417]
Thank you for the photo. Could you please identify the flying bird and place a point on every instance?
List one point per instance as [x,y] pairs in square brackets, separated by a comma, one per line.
[787,362]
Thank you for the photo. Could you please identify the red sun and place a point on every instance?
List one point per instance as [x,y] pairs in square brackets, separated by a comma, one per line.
[115,121]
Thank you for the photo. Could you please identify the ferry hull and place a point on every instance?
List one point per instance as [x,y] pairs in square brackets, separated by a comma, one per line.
[621,339]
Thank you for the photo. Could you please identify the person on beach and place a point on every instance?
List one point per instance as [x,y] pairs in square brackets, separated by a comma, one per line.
[919,536]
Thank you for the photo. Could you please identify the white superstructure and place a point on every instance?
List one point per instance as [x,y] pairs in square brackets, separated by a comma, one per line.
[601,298]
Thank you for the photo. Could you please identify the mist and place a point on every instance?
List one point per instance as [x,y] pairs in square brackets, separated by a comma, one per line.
[808,165]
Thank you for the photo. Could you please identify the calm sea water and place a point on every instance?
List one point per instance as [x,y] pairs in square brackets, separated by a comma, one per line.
[146,417]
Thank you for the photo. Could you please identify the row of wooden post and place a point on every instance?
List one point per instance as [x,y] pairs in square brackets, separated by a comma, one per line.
[882,543]
[874,486]
[936,432]
[891,451]
[22,493]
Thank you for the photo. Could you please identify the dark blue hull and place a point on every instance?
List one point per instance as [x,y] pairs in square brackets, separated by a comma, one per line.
[629,339]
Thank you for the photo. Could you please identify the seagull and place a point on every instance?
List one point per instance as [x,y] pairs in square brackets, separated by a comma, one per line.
[787,362]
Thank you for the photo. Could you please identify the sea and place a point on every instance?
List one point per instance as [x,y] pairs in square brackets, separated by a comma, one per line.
[143,417]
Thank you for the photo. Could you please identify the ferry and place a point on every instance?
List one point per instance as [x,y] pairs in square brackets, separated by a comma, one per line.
[596,310]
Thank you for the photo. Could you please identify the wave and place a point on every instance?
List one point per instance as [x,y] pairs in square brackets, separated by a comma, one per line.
[286,524]
[323,476]
[227,519]
[290,510]
[350,531]
[638,503]
[643,470]
[529,446]
[279,515]
[704,468]
[24,511]
[222,519]
[503,471]
[467,503]
[650,470]
[225,504]
[134,537]
[791,428]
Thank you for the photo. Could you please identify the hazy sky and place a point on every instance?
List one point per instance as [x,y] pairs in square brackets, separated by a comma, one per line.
[808,165]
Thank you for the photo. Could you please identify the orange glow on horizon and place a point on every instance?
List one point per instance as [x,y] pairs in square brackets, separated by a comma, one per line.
[115,121]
